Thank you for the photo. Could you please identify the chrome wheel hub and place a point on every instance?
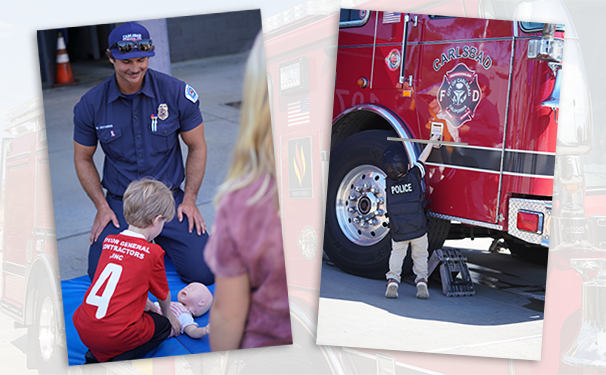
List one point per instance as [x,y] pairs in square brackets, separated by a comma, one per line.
[47,332]
[361,207]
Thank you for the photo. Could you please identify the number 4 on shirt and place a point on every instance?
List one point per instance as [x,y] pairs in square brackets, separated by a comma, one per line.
[113,272]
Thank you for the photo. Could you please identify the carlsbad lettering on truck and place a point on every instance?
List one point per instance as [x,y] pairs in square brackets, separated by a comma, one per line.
[492,85]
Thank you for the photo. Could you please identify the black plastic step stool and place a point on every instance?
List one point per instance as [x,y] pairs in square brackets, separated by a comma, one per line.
[451,263]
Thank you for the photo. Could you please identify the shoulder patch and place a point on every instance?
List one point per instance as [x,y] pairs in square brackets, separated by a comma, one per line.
[191,94]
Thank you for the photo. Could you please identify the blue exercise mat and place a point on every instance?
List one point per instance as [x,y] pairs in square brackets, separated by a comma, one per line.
[73,294]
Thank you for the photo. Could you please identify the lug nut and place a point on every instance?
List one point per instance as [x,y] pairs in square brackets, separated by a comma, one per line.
[351,210]
[380,201]
[364,224]
[374,222]
[353,198]
[358,189]
[379,213]
[356,220]
[366,187]
[374,190]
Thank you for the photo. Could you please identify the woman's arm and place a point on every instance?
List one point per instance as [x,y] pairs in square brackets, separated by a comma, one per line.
[229,312]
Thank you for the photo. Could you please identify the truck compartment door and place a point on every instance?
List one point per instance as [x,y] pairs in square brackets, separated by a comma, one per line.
[463,82]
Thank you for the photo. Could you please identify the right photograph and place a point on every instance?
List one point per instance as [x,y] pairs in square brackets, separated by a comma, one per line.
[440,185]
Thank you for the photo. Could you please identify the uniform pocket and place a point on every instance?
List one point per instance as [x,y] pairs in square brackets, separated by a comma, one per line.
[111,142]
[164,136]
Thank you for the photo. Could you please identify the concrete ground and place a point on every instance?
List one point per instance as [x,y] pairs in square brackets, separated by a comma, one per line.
[218,81]
[503,320]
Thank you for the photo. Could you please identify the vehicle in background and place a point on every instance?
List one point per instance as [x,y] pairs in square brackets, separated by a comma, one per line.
[492,87]
[30,272]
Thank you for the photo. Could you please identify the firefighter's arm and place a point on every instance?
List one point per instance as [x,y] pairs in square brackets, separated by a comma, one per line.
[229,312]
[427,150]
[195,167]
[91,182]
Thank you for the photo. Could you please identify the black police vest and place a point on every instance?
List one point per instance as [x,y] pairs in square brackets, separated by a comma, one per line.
[405,207]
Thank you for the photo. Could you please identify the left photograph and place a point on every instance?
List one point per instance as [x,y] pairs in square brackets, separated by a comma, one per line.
[163,177]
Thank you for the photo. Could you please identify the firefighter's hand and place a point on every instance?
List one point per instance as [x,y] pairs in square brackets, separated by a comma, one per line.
[189,209]
[103,217]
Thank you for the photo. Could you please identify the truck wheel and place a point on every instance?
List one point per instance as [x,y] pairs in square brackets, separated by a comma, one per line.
[356,230]
[437,233]
[535,254]
[43,335]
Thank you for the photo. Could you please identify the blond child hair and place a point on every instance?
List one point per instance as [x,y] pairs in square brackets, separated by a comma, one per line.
[144,200]
[253,154]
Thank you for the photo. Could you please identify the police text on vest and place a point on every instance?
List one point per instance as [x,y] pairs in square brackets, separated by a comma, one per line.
[400,189]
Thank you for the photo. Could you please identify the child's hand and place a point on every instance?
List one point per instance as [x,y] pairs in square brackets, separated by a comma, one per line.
[150,306]
[435,137]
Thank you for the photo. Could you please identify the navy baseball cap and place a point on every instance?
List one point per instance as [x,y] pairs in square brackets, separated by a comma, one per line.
[130,41]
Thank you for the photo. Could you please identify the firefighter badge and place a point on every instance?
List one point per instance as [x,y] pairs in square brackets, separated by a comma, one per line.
[163,111]
[459,95]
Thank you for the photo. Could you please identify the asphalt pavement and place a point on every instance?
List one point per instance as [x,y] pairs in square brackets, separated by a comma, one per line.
[218,81]
[503,320]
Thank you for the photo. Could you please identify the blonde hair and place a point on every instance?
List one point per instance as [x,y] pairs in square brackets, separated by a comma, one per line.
[144,200]
[253,154]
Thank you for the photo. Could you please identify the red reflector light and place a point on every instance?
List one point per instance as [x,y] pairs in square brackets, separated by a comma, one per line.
[529,221]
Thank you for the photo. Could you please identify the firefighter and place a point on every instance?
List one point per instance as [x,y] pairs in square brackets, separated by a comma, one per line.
[136,115]
[407,221]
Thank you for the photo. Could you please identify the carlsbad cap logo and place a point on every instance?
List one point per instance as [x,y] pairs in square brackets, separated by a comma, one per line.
[459,95]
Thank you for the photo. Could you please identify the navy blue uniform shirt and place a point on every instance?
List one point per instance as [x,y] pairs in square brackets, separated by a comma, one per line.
[135,144]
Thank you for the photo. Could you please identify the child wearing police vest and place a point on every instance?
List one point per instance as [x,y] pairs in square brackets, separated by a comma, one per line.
[407,221]
[115,321]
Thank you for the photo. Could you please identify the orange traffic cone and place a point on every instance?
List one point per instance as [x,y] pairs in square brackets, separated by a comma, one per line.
[65,76]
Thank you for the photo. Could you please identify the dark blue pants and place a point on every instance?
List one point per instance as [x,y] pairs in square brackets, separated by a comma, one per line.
[185,249]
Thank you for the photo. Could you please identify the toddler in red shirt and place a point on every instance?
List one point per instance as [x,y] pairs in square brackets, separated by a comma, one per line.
[114,320]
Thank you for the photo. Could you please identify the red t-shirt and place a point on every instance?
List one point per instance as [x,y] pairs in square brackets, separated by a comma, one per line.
[111,321]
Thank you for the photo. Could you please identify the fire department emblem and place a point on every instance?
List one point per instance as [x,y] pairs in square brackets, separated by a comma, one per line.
[393,59]
[163,111]
[459,95]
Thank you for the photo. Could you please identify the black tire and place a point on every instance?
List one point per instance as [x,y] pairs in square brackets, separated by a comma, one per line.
[43,336]
[437,233]
[371,259]
[535,254]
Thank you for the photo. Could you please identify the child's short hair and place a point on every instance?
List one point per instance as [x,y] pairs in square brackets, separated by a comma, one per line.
[144,200]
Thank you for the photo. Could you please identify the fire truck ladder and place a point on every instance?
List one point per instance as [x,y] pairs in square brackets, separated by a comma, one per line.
[451,263]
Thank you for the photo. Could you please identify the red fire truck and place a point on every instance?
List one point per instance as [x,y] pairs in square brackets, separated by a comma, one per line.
[30,279]
[491,87]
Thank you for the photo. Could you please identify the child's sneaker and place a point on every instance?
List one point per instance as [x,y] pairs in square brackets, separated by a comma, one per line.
[392,288]
[422,291]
